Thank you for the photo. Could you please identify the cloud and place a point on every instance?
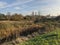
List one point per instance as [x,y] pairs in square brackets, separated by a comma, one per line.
[2,4]
[17,8]
[19,2]
[45,6]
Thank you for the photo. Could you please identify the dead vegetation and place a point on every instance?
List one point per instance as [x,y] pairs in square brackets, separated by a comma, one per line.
[12,30]
[28,27]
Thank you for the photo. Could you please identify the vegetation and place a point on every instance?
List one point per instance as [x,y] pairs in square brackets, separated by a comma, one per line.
[29,26]
[52,38]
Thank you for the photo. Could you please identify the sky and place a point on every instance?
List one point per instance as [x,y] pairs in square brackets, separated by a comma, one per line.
[45,7]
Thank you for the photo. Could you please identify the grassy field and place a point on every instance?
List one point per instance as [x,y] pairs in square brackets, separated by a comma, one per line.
[52,38]
[11,29]
[8,27]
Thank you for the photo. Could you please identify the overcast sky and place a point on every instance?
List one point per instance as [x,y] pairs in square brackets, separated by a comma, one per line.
[27,6]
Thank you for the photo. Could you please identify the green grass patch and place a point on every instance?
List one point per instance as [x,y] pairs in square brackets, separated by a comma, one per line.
[45,39]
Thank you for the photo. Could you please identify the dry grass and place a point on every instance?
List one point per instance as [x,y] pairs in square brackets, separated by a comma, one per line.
[8,28]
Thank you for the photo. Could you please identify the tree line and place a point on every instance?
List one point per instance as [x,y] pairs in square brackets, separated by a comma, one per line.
[35,18]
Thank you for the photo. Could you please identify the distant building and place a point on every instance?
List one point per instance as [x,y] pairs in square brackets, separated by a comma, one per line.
[32,13]
[38,12]
[48,16]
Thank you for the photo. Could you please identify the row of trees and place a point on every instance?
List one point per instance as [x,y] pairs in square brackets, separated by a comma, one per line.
[17,17]
[35,18]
